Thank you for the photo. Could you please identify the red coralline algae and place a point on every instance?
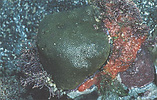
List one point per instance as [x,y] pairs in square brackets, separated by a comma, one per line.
[127,36]
[125,48]
[123,21]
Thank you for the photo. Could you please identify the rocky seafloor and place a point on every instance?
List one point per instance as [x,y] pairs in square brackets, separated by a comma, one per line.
[19,21]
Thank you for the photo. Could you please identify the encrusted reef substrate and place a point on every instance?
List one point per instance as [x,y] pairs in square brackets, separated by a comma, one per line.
[141,72]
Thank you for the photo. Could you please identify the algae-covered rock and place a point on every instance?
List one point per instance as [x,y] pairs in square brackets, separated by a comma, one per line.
[141,73]
[72,46]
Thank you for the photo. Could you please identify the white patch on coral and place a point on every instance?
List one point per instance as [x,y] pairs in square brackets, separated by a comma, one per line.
[79,55]
[119,78]
[156,69]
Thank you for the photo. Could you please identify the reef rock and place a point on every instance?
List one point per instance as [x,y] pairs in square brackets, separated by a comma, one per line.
[72,46]
[141,72]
